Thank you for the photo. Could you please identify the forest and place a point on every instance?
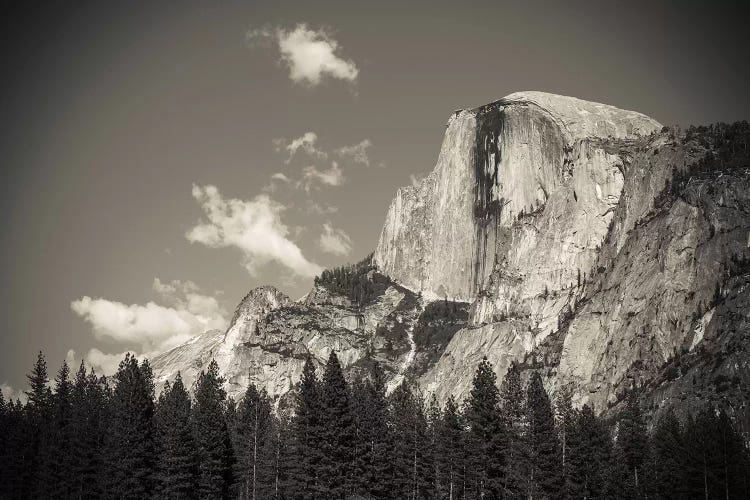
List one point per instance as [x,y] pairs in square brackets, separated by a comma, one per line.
[87,436]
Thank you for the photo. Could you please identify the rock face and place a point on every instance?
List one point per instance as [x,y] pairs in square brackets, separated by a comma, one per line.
[271,336]
[512,157]
[571,237]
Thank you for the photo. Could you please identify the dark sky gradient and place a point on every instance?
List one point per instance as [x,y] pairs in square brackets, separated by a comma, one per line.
[111,112]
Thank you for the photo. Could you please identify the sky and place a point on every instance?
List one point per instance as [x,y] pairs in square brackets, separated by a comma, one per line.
[161,159]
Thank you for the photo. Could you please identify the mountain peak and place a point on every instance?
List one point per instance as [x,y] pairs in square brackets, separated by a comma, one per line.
[258,301]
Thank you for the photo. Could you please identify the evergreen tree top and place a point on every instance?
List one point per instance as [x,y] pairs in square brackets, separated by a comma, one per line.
[483,399]
[38,393]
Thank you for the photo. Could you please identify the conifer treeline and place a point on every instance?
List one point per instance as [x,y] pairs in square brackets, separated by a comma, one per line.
[93,437]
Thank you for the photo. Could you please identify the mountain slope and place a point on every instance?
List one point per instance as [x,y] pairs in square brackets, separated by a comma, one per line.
[572,237]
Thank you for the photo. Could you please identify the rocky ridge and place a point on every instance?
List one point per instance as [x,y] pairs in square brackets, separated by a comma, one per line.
[572,237]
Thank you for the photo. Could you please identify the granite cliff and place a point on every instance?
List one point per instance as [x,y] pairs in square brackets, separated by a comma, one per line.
[575,238]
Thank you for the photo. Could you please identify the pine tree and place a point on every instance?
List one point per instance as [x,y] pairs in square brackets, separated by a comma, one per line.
[667,457]
[253,447]
[211,434]
[587,456]
[631,449]
[566,418]
[411,478]
[544,474]
[339,432]
[58,460]
[307,428]
[373,434]
[434,428]
[35,475]
[358,466]
[38,393]
[101,410]
[734,463]
[513,405]
[451,451]
[79,448]
[88,432]
[488,436]
[283,456]
[177,469]
[16,437]
[717,462]
[131,444]
[7,428]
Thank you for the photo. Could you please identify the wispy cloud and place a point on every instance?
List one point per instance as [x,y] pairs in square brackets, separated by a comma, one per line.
[11,393]
[357,152]
[254,227]
[306,143]
[316,208]
[280,176]
[312,177]
[334,241]
[310,55]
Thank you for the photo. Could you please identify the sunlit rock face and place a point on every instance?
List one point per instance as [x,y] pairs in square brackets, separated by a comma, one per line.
[547,235]
[660,283]
[511,219]
[271,336]
[497,163]
[650,292]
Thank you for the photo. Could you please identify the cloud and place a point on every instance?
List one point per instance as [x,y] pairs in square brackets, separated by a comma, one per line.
[311,177]
[357,152]
[310,55]
[70,357]
[334,241]
[414,180]
[153,326]
[254,227]
[305,143]
[313,207]
[278,176]
[277,179]
[106,364]
[10,393]
[102,363]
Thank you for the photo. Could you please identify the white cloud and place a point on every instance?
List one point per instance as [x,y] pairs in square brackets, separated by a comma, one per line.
[10,393]
[305,143]
[313,207]
[357,152]
[334,241]
[254,227]
[153,326]
[70,357]
[106,364]
[414,180]
[279,176]
[174,289]
[309,54]
[311,176]
[101,362]
[277,179]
